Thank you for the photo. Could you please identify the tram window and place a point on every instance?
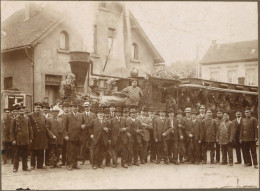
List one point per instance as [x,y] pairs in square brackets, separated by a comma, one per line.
[251,77]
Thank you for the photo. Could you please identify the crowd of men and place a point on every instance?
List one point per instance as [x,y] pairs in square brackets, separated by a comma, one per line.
[61,136]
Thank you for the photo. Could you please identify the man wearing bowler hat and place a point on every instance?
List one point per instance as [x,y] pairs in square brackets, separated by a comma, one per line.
[174,137]
[248,138]
[100,138]
[238,122]
[118,137]
[162,136]
[73,123]
[40,136]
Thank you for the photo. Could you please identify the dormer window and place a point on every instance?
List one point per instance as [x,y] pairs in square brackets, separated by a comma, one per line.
[64,41]
[134,51]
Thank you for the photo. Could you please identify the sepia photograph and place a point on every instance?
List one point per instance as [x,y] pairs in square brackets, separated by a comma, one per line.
[99,95]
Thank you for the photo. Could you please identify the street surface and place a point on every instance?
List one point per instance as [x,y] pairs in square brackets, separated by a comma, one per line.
[148,176]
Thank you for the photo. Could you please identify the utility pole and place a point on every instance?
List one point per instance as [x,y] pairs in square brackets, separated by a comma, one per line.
[197,62]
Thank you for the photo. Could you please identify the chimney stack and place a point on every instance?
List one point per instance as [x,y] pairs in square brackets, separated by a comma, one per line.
[30,10]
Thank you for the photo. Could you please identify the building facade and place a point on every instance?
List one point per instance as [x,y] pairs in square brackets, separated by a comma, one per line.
[37,41]
[233,63]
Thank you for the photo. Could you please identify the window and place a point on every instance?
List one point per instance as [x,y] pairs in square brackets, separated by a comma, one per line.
[214,75]
[8,83]
[64,41]
[134,52]
[111,35]
[251,76]
[95,39]
[232,76]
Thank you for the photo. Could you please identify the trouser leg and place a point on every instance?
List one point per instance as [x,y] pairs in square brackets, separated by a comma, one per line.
[40,158]
[24,155]
[70,153]
[175,145]
[16,157]
[152,148]
[64,152]
[46,157]
[238,152]
[145,150]
[197,151]
[83,149]
[247,153]
[217,152]
[129,152]
[181,150]
[33,158]
[212,151]
[224,153]
[102,150]
[165,151]
[230,153]
[159,150]
[253,152]
[204,151]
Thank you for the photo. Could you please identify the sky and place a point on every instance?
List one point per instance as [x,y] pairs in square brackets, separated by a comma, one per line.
[178,28]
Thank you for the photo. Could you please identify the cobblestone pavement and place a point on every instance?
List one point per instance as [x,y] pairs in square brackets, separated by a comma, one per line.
[148,176]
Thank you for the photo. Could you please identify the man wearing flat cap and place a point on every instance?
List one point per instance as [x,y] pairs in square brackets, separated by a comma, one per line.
[85,133]
[66,111]
[218,120]
[225,138]
[238,122]
[133,93]
[6,137]
[21,137]
[40,136]
[248,138]
[73,123]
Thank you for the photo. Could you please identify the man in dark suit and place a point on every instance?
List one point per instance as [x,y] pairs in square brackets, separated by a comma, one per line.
[21,137]
[238,122]
[6,137]
[73,123]
[174,137]
[66,111]
[40,136]
[152,145]
[85,133]
[200,117]
[218,120]
[182,133]
[161,136]
[248,138]
[146,125]
[136,138]
[118,137]
[100,139]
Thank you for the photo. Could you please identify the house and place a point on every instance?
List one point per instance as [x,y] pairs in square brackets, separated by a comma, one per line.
[235,62]
[37,42]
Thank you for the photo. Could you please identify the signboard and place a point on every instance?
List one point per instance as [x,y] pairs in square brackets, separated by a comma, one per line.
[15,99]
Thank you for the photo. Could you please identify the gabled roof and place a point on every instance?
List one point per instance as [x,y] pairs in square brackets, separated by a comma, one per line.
[18,32]
[231,52]
[157,56]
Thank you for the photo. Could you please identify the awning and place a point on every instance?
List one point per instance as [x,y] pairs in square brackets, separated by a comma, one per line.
[218,89]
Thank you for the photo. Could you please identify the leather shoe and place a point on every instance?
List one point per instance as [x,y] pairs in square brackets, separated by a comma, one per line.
[231,164]
[94,168]
[136,164]
[256,167]
[237,162]
[32,168]
[101,166]
[42,167]
[124,166]
[70,168]
[142,162]
[82,163]
[14,170]
[76,167]
[158,162]
[113,165]
[27,169]
[129,164]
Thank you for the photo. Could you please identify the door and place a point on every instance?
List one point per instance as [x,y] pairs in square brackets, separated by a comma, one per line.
[52,92]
